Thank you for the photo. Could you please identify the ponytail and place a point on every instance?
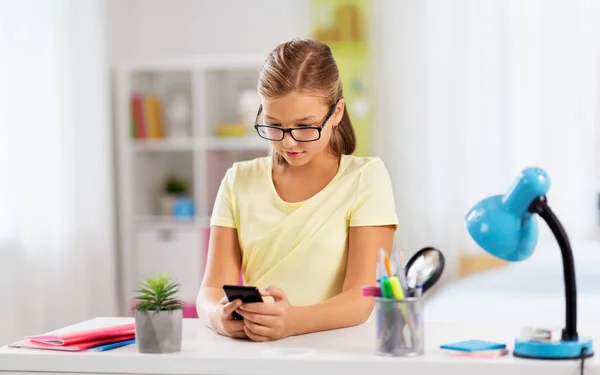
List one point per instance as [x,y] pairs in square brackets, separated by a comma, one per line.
[343,137]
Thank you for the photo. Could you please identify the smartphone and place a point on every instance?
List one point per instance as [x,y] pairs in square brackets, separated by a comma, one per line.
[248,294]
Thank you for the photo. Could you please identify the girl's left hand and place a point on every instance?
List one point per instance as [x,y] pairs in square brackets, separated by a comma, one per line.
[267,321]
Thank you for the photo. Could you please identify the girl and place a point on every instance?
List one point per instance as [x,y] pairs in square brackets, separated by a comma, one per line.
[306,223]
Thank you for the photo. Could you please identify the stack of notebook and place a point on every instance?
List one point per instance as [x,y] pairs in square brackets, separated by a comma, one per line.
[97,339]
[476,348]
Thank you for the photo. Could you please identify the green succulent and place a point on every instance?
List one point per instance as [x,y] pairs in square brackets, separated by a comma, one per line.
[158,294]
[176,186]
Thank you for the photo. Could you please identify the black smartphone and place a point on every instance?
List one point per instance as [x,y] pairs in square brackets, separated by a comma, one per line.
[248,294]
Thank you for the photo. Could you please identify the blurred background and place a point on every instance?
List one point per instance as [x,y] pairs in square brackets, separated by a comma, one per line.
[118,119]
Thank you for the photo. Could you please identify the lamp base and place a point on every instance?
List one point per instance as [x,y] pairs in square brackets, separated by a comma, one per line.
[553,349]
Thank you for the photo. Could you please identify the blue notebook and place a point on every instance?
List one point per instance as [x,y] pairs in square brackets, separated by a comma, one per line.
[474,346]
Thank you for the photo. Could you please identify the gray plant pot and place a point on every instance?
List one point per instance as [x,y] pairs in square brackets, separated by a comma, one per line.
[158,332]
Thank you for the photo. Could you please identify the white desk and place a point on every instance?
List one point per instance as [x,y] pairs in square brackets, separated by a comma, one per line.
[334,352]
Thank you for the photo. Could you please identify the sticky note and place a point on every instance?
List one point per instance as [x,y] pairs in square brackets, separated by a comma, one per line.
[474,345]
[480,354]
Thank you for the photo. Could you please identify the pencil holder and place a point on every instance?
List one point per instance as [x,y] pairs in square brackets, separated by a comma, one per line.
[399,326]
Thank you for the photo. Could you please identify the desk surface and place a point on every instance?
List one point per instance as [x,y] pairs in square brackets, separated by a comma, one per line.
[205,352]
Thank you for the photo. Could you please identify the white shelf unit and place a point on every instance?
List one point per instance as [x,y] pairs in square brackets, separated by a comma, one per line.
[151,242]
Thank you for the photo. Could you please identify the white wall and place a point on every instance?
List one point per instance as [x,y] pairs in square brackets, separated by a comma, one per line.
[147,29]
[475,91]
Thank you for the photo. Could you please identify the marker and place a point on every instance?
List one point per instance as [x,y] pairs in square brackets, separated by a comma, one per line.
[388,267]
[386,288]
[371,291]
[396,288]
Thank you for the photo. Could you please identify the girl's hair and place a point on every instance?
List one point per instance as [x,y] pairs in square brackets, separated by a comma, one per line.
[307,66]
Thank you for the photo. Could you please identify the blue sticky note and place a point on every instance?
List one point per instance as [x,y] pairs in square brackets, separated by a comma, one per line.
[474,346]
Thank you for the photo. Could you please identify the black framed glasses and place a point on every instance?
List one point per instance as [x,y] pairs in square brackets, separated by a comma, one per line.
[299,134]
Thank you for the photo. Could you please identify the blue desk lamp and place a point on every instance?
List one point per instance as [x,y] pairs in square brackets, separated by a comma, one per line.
[505,226]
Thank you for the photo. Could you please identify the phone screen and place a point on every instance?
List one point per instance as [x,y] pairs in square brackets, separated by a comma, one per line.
[248,294]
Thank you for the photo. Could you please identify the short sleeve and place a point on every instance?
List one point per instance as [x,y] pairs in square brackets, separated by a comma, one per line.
[223,212]
[375,204]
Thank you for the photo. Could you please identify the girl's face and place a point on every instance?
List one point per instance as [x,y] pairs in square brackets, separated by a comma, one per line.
[298,126]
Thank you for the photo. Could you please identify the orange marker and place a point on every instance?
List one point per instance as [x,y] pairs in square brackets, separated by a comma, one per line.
[387,266]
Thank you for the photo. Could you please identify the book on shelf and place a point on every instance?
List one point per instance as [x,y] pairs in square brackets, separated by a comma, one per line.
[147,118]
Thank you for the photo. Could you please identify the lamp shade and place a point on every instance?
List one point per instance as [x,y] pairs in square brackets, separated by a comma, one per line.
[502,224]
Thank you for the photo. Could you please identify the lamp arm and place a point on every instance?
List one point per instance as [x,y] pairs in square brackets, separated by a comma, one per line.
[540,206]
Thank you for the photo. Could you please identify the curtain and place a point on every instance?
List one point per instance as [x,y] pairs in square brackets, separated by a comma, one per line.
[56,201]
[469,93]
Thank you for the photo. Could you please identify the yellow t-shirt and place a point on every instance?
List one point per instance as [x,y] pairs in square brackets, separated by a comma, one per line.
[302,247]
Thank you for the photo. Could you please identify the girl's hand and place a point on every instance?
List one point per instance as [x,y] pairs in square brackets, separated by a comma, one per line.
[267,321]
[222,320]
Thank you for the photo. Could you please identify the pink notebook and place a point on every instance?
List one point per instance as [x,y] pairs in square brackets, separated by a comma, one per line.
[72,338]
[28,344]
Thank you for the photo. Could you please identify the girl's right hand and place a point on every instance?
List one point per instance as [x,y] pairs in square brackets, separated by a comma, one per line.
[222,319]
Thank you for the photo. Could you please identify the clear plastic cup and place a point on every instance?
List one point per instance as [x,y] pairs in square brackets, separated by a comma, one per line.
[399,327]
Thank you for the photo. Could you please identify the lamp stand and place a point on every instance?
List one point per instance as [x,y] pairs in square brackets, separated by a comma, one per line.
[571,346]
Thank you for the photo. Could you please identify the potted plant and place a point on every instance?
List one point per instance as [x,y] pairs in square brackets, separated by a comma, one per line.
[174,188]
[158,316]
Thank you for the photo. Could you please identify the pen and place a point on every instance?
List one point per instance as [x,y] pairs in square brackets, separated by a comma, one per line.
[419,291]
[105,347]
[397,262]
[419,286]
[400,271]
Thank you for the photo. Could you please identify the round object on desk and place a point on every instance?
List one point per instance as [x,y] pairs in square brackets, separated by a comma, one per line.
[425,268]
[533,349]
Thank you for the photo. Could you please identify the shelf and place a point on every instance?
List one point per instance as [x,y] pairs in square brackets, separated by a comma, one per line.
[236,143]
[233,98]
[170,222]
[174,144]
[232,62]
[210,143]
[196,98]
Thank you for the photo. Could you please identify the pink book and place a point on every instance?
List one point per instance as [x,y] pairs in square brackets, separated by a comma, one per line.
[137,104]
[28,344]
[71,338]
